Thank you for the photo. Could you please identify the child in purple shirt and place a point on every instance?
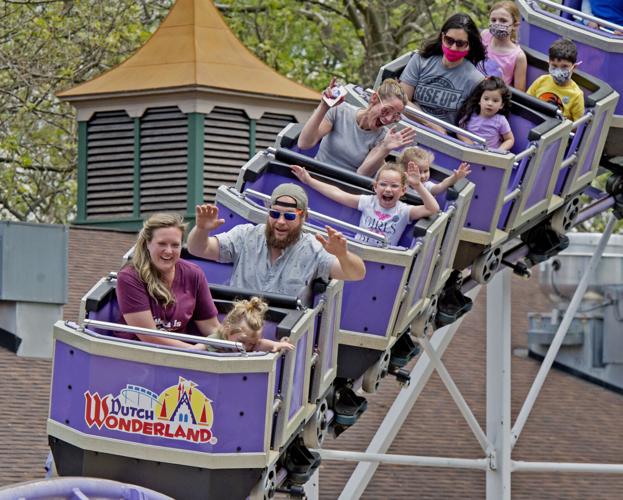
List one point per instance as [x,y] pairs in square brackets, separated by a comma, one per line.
[157,290]
[485,112]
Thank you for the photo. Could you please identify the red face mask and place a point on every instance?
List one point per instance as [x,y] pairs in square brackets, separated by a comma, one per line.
[453,55]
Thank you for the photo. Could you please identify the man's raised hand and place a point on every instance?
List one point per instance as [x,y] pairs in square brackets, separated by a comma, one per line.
[206,217]
[335,244]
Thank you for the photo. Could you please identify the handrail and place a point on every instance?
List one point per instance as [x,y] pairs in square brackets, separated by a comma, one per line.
[512,195]
[584,118]
[569,161]
[323,218]
[580,14]
[412,111]
[526,152]
[184,337]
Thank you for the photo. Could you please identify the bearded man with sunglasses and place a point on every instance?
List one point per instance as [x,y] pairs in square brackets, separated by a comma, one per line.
[276,256]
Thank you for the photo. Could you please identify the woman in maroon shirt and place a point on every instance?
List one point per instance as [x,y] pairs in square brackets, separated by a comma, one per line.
[157,290]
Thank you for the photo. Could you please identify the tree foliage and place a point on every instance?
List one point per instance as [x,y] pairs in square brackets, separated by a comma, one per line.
[311,40]
[47,46]
[50,45]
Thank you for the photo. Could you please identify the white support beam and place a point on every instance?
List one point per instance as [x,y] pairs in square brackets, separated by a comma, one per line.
[311,487]
[454,391]
[560,333]
[499,384]
[400,409]
[519,466]
[413,460]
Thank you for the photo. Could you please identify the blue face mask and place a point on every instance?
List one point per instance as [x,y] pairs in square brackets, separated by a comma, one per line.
[560,75]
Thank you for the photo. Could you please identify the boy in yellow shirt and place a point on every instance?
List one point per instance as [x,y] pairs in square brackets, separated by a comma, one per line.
[557,87]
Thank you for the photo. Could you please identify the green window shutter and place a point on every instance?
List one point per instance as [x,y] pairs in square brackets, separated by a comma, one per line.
[110,165]
[164,157]
[226,148]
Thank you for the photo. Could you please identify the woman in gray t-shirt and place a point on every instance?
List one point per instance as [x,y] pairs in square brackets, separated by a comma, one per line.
[443,74]
[356,139]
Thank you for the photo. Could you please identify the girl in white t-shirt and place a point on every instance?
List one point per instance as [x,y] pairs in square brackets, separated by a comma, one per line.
[382,212]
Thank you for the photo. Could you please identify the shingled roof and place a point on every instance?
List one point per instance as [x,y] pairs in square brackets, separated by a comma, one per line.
[193,48]
[572,420]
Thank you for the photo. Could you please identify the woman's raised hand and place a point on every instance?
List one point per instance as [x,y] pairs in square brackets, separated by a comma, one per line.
[395,139]
[206,217]
[333,95]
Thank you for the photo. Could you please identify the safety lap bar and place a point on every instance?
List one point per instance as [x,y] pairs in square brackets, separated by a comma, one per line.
[225,292]
[580,14]
[323,218]
[414,112]
[332,171]
[184,337]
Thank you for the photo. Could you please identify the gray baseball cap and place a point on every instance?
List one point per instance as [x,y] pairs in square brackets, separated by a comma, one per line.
[293,191]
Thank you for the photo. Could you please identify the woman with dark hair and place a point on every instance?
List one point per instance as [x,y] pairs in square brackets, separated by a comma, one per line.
[443,74]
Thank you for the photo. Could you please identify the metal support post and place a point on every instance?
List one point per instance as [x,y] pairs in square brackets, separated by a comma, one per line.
[456,396]
[311,487]
[400,409]
[499,385]
[567,467]
[413,460]
[560,333]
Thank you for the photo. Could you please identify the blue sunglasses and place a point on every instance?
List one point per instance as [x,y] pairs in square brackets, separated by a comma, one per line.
[289,216]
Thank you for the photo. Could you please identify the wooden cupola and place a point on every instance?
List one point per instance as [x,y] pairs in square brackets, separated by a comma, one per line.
[165,128]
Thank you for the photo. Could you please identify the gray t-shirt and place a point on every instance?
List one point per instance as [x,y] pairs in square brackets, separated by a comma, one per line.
[347,145]
[291,274]
[440,91]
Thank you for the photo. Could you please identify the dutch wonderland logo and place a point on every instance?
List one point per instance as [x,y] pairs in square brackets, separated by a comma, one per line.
[179,412]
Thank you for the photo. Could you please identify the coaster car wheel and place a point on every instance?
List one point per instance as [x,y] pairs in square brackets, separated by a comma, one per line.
[485,266]
[266,488]
[563,219]
[373,375]
[316,429]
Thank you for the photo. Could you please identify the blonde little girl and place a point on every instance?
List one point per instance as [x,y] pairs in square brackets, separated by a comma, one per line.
[244,324]
[381,212]
[418,160]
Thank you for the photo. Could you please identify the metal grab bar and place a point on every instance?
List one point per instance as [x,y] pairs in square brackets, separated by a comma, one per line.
[184,337]
[526,152]
[585,118]
[418,113]
[410,110]
[580,14]
[512,195]
[321,217]
[569,161]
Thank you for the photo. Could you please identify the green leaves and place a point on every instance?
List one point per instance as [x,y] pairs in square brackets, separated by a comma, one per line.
[45,48]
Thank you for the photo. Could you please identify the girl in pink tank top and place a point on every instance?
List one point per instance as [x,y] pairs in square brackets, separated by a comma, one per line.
[505,58]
